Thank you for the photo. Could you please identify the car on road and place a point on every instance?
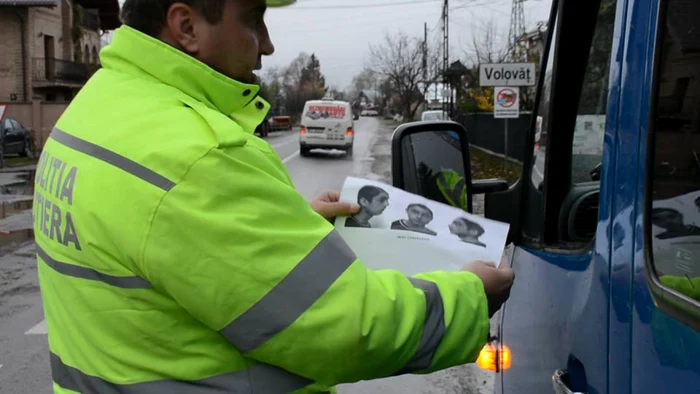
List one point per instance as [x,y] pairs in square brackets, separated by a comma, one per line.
[326,124]
[434,115]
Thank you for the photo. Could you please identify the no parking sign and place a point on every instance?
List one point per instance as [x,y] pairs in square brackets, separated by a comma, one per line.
[506,102]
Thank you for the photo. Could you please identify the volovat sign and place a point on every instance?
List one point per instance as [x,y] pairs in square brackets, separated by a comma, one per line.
[507,74]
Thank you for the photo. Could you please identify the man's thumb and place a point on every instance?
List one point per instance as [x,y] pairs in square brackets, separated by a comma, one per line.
[346,209]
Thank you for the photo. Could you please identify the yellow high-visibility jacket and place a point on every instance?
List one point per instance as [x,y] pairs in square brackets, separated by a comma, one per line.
[175,255]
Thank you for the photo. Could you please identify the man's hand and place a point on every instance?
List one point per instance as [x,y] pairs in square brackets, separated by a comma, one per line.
[328,205]
[497,282]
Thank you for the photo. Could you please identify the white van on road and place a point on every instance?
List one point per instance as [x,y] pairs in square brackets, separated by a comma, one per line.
[326,124]
[434,115]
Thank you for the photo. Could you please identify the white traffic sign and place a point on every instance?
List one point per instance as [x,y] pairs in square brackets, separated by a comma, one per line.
[506,102]
[507,74]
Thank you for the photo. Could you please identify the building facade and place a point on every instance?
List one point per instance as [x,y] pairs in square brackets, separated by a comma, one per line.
[49,48]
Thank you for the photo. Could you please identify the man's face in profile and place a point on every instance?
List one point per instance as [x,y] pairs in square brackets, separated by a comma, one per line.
[419,216]
[235,45]
[377,205]
[458,228]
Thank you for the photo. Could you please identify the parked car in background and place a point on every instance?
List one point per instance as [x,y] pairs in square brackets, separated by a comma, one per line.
[280,122]
[263,129]
[16,139]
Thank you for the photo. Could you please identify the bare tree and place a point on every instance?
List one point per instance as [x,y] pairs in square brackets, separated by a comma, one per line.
[484,47]
[400,60]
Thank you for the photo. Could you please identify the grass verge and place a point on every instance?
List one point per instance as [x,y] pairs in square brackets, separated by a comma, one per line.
[20,161]
[487,166]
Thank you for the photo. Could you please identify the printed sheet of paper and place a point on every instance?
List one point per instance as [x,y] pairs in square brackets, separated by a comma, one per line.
[409,233]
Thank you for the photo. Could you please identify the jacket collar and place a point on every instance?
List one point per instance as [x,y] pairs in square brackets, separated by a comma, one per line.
[133,52]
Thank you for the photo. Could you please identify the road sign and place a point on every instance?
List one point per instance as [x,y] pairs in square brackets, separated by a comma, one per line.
[507,74]
[506,102]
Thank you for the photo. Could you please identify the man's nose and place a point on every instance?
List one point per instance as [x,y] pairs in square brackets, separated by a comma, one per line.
[267,48]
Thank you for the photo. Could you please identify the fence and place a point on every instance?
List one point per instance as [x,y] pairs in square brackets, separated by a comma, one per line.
[489,133]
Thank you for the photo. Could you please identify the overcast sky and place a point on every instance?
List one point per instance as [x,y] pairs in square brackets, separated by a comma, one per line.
[340,31]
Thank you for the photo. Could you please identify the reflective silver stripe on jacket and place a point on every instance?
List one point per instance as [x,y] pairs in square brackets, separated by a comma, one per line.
[112,158]
[433,327]
[260,378]
[293,295]
[76,271]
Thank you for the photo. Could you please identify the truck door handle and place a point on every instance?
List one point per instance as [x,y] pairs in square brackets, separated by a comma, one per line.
[560,383]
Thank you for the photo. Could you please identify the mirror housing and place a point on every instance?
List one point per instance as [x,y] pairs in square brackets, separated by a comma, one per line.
[431,159]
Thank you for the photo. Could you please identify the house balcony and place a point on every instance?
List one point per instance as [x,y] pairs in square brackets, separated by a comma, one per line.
[91,20]
[57,72]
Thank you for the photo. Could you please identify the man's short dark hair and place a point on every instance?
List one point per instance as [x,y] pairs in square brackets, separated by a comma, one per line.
[419,206]
[148,16]
[472,225]
[655,212]
[368,192]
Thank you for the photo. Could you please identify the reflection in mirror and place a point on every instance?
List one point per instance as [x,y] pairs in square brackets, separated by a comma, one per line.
[433,166]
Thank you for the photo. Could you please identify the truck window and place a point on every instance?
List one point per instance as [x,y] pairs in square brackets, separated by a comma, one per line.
[673,196]
[587,149]
[542,125]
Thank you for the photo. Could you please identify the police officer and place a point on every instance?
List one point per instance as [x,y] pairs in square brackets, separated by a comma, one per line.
[175,255]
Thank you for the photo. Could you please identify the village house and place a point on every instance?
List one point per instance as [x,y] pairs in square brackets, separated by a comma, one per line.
[48,50]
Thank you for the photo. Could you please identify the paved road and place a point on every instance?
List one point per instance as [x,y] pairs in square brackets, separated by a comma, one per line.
[24,366]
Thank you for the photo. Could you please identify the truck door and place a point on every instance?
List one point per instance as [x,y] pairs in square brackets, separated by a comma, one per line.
[665,341]
[556,320]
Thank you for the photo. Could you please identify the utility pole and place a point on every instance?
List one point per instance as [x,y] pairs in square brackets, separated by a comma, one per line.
[425,65]
[445,49]
[517,31]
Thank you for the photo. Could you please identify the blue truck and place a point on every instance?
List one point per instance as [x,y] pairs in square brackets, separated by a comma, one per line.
[606,239]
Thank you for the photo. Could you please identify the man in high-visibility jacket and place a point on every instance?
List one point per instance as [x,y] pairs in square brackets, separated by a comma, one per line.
[175,255]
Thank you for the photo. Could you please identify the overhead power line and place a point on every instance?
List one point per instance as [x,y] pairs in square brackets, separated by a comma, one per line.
[357,6]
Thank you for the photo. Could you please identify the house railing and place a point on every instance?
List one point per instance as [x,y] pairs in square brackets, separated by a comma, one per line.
[58,70]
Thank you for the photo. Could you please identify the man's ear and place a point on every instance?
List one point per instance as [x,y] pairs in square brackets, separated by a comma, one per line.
[181,22]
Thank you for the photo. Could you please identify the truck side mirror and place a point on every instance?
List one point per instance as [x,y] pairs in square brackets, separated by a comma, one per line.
[431,159]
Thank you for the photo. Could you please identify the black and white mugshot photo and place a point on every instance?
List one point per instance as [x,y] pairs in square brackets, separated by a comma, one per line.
[467,231]
[417,217]
[373,201]
[410,222]
[673,222]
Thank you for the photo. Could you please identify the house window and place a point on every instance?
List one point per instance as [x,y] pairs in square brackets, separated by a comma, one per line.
[94,55]
[86,55]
